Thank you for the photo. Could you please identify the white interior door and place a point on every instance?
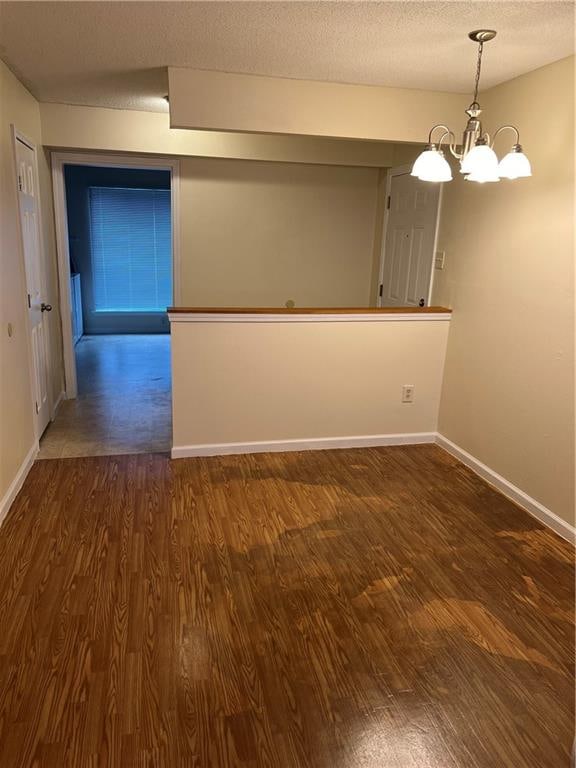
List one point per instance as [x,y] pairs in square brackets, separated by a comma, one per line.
[410,240]
[37,303]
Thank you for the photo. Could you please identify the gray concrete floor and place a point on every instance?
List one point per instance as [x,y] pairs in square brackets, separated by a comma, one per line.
[124,400]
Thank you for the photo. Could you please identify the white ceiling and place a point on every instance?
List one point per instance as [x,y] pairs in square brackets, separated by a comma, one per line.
[114,54]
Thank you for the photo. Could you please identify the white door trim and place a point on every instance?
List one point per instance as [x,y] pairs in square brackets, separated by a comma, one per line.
[59,160]
[17,135]
[401,170]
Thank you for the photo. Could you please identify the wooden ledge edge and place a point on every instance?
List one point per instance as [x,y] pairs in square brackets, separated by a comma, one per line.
[307,310]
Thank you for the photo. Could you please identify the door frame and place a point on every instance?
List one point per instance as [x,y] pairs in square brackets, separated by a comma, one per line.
[16,136]
[61,159]
[402,170]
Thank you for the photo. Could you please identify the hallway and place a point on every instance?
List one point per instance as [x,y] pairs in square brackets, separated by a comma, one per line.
[123,403]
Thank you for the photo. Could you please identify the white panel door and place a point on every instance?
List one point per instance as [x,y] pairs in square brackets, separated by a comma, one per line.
[37,307]
[410,241]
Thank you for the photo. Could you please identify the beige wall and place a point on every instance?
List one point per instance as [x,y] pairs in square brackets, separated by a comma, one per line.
[259,234]
[302,380]
[325,194]
[116,130]
[508,393]
[16,407]
[222,101]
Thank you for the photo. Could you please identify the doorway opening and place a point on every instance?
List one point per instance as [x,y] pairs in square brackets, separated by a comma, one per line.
[117,270]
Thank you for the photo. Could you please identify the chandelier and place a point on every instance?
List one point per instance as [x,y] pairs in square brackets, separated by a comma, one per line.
[478,161]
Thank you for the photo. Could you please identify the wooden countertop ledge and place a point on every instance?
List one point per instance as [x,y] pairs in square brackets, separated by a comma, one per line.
[307,310]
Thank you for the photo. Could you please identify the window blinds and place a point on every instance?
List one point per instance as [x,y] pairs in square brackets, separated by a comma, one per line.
[131,245]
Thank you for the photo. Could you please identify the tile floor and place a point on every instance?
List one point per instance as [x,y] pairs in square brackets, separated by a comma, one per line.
[123,403]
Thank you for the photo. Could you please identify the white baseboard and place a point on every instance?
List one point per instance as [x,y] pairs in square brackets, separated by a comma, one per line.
[533,507]
[18,482]
[309,444]
[57,404]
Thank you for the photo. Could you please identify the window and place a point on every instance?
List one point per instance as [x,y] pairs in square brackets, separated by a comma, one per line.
[131,244]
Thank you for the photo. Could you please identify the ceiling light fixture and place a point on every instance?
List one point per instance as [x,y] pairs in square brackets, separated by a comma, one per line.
[478,161]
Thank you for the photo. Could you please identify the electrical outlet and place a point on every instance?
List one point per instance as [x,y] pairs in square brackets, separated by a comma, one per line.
[408,393]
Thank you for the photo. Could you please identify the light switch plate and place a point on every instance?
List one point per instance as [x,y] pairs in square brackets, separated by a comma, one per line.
[439,259]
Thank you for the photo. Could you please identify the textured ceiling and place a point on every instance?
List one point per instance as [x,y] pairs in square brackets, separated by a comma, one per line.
[114,54]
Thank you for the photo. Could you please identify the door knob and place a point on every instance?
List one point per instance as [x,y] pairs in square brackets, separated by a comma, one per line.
[421,303]
[46,307]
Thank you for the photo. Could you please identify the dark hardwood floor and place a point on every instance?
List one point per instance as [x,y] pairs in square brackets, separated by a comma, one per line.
[377,608]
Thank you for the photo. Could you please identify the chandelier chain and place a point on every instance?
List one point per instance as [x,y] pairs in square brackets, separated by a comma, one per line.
[478,68]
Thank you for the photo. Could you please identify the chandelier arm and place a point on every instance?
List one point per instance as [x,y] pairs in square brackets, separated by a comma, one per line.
[451,143]
[454,152]
[449,133]
[503,128]
[438,125]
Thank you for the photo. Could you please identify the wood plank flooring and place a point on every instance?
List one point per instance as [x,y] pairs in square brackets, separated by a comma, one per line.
[336,609]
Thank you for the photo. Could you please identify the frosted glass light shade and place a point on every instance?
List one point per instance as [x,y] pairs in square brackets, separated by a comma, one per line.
[514,165]
[431,165]
[481,160]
